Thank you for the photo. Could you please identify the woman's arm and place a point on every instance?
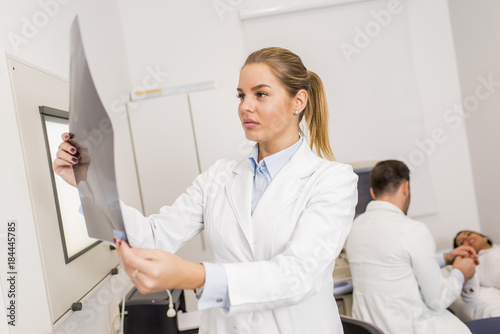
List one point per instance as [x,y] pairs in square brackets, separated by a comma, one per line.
[174,225]
[290,277]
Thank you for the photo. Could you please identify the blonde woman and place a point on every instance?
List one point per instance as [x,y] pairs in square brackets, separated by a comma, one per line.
[274,222]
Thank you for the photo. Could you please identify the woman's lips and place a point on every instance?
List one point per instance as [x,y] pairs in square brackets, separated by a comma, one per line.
[249,123]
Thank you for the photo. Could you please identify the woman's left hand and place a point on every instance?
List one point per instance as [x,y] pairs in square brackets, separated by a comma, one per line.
[153,270]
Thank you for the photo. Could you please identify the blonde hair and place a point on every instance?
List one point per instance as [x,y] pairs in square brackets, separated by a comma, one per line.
[293,75]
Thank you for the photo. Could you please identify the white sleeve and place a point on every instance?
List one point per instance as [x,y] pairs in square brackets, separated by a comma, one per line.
[174,225]
[470,291]
[437,291]
[307,263]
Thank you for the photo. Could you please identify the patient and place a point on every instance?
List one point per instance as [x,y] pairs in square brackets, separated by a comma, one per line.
[398,284]
[481,294]
[488,272]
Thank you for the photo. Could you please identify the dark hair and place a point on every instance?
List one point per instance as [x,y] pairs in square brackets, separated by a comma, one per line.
[455,239]
[293,75]
[387,176]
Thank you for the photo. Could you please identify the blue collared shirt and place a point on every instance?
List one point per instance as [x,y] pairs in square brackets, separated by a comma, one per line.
[215,292]
[265,170]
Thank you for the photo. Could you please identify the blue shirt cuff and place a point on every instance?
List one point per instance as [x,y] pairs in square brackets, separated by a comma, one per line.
[440,260]
[215,291]
[458,274]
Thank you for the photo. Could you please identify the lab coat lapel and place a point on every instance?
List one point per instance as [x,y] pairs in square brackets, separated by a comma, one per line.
[239,193]
[287,185]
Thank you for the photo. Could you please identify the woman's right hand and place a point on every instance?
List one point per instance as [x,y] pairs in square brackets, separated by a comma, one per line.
[66,158]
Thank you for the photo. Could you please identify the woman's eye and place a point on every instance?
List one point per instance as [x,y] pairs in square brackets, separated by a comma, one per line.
[261,94]
[240,96]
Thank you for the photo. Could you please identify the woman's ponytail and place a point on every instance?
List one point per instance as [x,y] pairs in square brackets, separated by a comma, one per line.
[316,117]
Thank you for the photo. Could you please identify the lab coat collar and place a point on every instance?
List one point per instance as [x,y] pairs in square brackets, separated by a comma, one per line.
[276,161]
[281,192]
[383,205]
[303,155]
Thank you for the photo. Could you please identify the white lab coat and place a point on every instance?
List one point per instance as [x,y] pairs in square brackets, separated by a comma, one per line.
[398,284]
[279,261]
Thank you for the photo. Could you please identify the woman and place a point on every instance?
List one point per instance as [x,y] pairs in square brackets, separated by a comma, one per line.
[488,270]
[274,222]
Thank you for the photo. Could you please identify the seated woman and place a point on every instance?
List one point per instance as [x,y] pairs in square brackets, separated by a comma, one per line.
[480,297]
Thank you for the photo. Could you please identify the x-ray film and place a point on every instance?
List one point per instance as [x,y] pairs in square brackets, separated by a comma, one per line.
[93,138]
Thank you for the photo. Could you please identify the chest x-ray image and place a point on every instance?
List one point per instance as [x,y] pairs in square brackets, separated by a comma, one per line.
[93,138]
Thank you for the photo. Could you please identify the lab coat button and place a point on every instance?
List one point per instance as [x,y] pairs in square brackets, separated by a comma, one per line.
[219,300]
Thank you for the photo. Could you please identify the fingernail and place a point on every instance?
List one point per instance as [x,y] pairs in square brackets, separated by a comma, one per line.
[115,240]
[73,150]
[119,243]
[66,136]
[75,160]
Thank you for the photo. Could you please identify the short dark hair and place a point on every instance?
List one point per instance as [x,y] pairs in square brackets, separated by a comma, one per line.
[387,176]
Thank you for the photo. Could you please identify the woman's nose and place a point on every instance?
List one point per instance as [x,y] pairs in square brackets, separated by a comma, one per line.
[247,105]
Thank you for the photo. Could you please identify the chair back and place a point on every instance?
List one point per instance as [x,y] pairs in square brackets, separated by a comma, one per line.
[484,326]
[355,326]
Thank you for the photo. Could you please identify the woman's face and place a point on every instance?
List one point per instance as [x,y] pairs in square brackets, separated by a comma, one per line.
[266,110]
[476,241]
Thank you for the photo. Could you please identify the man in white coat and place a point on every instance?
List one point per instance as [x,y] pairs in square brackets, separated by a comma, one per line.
[398,284]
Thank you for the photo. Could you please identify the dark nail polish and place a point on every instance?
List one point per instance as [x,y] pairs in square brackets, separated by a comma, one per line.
[75,160]
[119,243]
[73,150]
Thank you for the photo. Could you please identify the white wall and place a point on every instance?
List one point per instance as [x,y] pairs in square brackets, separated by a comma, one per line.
[438,84]
[171,44]
[476,32]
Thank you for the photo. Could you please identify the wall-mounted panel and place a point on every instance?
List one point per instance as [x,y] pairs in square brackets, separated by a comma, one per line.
[65,283]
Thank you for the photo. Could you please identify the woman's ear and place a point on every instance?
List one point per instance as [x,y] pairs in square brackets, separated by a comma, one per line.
[301,100]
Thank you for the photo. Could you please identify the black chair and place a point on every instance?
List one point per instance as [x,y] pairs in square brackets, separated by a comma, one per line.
[484,326]
[355,326]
